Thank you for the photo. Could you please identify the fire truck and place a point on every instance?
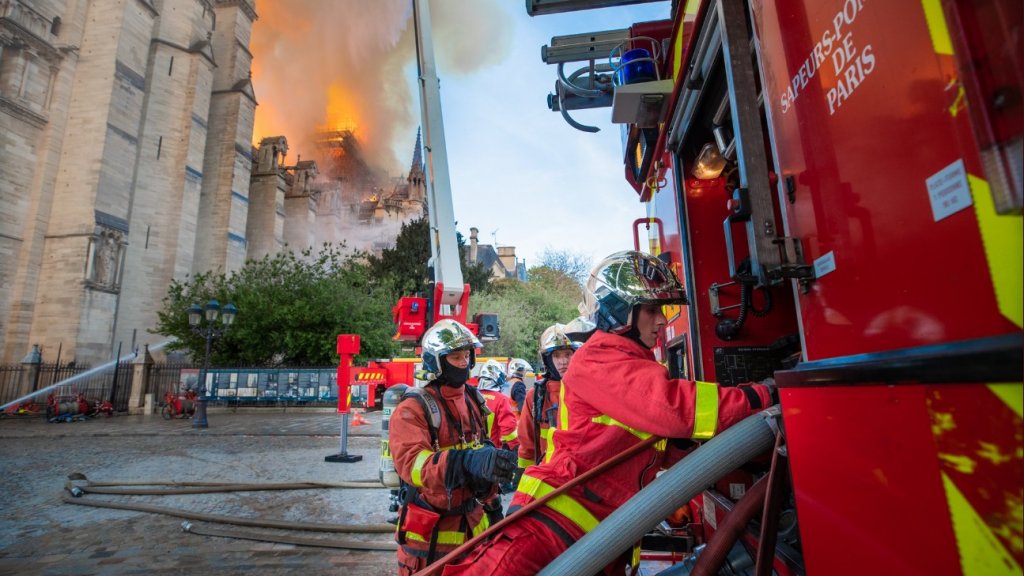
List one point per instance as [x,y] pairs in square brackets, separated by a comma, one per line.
[838,185]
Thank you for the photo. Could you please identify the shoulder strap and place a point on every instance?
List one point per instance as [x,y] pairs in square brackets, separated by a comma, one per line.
[479,399]
[430,407]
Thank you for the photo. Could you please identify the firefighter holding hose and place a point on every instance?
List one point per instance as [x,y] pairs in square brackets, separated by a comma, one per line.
[442,452]
[614,395]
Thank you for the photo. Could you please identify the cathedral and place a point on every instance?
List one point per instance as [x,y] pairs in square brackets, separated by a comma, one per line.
[126,161]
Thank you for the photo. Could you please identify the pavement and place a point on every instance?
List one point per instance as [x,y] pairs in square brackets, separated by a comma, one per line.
[41,534]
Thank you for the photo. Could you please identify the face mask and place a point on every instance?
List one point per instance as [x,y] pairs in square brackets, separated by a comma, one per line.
[452,376]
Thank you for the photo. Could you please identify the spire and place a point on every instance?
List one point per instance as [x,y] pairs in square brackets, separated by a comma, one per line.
[417,156]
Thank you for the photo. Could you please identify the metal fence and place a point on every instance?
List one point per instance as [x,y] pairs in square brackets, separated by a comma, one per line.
[110,384]
[288,386]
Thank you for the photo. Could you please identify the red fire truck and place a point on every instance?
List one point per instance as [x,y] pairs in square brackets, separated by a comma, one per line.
[838,183]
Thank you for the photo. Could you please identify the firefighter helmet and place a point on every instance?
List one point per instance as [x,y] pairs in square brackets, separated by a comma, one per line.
[623,281]
[519,367]
[492,377]
[443,338]
[554,338]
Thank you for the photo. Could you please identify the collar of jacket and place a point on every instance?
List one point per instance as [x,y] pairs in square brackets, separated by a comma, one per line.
[606,340]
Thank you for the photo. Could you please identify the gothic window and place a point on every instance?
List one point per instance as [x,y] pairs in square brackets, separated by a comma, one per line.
[55,26]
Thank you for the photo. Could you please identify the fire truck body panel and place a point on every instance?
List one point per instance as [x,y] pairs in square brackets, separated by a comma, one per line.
[902,289]
[876,180]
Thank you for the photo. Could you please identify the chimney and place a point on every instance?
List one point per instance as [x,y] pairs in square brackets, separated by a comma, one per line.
[507,255]
[471,256]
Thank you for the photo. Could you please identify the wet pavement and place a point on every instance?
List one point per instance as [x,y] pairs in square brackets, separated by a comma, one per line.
[41,534]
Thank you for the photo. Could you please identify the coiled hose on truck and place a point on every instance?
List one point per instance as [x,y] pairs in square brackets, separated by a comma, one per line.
[677,486]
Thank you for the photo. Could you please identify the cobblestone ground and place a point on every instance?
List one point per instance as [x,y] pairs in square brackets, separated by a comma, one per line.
[40,534]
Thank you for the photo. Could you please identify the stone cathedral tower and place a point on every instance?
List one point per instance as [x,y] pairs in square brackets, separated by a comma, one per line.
[125,130]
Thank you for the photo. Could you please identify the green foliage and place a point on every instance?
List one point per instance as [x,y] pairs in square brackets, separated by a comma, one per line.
[290,310]
[525,309]
[405,265]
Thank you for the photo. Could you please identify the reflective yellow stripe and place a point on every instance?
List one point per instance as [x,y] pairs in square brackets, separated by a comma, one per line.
[635,560]
[705,412]
[562,504]
[490,424]
[448,537]
[563,423]
[563,410]
[1001,237]
[609,421]
[482,525]
[525,463]
[937,29]
[417,467]
[443,537]
[981,552]
[1010,394]
[510,436]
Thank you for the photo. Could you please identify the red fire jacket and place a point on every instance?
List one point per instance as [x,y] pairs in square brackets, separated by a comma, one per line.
[424,466]
[528,429]
[501,422]
[614,395]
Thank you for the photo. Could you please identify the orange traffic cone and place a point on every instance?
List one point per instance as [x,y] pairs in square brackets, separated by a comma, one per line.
[357,417]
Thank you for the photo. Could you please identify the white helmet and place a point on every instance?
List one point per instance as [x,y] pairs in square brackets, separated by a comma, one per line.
[492,377]
[518,367]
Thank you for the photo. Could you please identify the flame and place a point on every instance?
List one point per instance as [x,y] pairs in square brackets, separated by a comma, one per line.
[349,65]
[342,110]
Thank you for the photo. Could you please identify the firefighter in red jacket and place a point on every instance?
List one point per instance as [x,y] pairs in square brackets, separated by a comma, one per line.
[442,452]
[540,409]
[501,422]
[614,395]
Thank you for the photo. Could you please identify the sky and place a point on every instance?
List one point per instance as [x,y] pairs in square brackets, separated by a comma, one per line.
[519,173]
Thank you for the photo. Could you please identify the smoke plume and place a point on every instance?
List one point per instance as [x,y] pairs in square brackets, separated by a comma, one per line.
[347,64]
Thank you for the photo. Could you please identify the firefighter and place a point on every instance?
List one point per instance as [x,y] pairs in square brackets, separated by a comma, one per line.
[442,452]
[501,422]
[614,395]
[540,408]
[517,368]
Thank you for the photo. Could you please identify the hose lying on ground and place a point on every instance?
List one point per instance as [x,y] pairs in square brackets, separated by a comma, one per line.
[76,489]
[238,521]
[320,543]
[203,487]
[677,486]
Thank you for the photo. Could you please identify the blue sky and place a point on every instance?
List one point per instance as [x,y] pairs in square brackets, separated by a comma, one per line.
[518,168]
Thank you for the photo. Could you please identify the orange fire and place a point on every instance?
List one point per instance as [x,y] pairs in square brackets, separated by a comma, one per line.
[350,65]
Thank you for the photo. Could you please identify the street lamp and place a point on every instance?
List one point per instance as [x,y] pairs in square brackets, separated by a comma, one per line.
[208,330]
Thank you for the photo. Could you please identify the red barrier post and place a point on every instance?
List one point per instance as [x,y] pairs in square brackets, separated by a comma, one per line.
[348,346]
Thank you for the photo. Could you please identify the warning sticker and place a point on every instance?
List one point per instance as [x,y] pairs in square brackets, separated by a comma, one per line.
[948,190]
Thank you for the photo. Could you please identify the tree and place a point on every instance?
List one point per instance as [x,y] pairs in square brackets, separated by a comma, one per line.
[573,264]
[525,309]
[290,310]
[406,264]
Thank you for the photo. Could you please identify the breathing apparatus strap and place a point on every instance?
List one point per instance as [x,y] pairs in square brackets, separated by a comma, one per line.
[540,394]
[432,410]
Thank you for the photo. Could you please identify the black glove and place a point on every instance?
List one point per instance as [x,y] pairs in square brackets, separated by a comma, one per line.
[489,464]
[493,510]
[480,469]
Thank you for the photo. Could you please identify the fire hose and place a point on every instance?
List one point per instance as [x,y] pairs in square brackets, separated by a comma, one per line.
[675,487]
[678,485]
[613,461]
[74,493]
